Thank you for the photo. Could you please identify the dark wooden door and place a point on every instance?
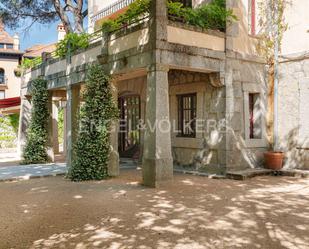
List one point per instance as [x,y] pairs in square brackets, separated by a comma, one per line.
[129,133]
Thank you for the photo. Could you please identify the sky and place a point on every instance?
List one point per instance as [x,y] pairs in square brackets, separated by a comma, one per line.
[38,34]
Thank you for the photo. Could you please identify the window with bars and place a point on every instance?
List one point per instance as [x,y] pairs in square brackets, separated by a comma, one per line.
[187,115]
[255,131]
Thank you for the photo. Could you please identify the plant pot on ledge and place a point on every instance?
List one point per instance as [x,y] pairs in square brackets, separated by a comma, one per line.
[274,160]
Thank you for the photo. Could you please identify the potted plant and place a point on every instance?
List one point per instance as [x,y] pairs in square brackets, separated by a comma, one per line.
[269,45]
[17,72]
[274,159]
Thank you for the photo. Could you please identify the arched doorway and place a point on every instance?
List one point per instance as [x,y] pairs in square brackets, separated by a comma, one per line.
[129,133]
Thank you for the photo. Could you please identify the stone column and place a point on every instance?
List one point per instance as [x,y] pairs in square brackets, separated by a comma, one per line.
[24,120]
[157,153]
[65,131]
[55,128]
[50,139]
[113,164]
[72,109]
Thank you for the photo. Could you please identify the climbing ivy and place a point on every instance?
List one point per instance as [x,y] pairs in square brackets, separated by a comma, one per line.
[92,148]
[35,150]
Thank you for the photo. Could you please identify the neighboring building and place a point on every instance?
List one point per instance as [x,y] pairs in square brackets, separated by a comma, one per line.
[10,81]
[211,86]
[294,86]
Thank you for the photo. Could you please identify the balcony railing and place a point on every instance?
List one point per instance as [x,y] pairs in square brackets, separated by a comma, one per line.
[120,4]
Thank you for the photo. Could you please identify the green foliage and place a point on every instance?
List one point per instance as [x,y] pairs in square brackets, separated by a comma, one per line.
[71,43]
[8,130]
[29,63]
[14,122]
[60,125]
[134,13]
[92,148]
[37,133]
[208,16]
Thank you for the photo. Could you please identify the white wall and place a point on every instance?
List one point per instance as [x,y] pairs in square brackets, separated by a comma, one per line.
[296,38]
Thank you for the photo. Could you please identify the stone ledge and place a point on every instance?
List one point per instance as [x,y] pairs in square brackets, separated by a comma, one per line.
[197,173]
[250,173]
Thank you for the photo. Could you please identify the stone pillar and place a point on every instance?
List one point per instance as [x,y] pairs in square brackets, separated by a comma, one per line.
[113,164]
[64,131]
[72,109]
[157,153]
[55,127]
[24,120]
[50,138]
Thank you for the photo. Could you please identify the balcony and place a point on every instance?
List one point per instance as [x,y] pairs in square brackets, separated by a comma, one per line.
[111,9]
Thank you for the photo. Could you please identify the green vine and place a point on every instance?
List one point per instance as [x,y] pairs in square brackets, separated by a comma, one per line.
[213,15]
[29,63]
[71,43]
[208,16]
[135,12]
[92,148]
[35,150]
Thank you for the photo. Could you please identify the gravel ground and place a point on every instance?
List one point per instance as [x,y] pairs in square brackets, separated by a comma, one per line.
[192,212]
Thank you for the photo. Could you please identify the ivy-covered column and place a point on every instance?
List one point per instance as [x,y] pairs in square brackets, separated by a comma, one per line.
[72,109]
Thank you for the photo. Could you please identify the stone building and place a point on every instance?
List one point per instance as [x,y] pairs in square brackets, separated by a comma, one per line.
[208,86]
[10,82]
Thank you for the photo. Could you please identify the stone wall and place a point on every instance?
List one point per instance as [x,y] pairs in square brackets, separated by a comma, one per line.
[205,151]
[244,76]
[293,116]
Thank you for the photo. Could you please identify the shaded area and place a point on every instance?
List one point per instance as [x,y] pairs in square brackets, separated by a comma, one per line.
[192,212]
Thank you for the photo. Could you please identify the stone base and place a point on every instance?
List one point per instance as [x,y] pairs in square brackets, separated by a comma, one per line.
[157,171]
[113,164]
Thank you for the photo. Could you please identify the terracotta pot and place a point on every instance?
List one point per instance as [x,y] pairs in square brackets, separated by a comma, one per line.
[274,160]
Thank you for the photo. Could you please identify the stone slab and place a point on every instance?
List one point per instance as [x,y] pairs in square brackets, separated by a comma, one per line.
[250,173]
[26,172]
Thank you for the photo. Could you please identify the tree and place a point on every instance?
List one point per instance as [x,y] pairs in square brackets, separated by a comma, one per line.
[70,12]
[272,26]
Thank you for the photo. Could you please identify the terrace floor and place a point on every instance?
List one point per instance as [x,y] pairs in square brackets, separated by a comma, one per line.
[192,212]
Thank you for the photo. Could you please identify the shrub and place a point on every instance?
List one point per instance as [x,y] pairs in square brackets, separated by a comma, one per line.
[35,150]
[134,13]
[208,16]
[71,43]
[92,148]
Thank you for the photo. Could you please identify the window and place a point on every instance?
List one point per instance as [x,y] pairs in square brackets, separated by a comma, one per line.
[252,17]
[186,115]
[255,116]
[1,45]
[9,46]
[2,76]
[2,94]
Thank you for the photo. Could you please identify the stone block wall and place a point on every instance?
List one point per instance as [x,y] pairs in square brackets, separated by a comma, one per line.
[244,76]
[293,113]
[205,151]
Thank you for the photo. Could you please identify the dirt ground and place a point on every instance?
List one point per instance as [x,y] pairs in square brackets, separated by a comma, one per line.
[192,212]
